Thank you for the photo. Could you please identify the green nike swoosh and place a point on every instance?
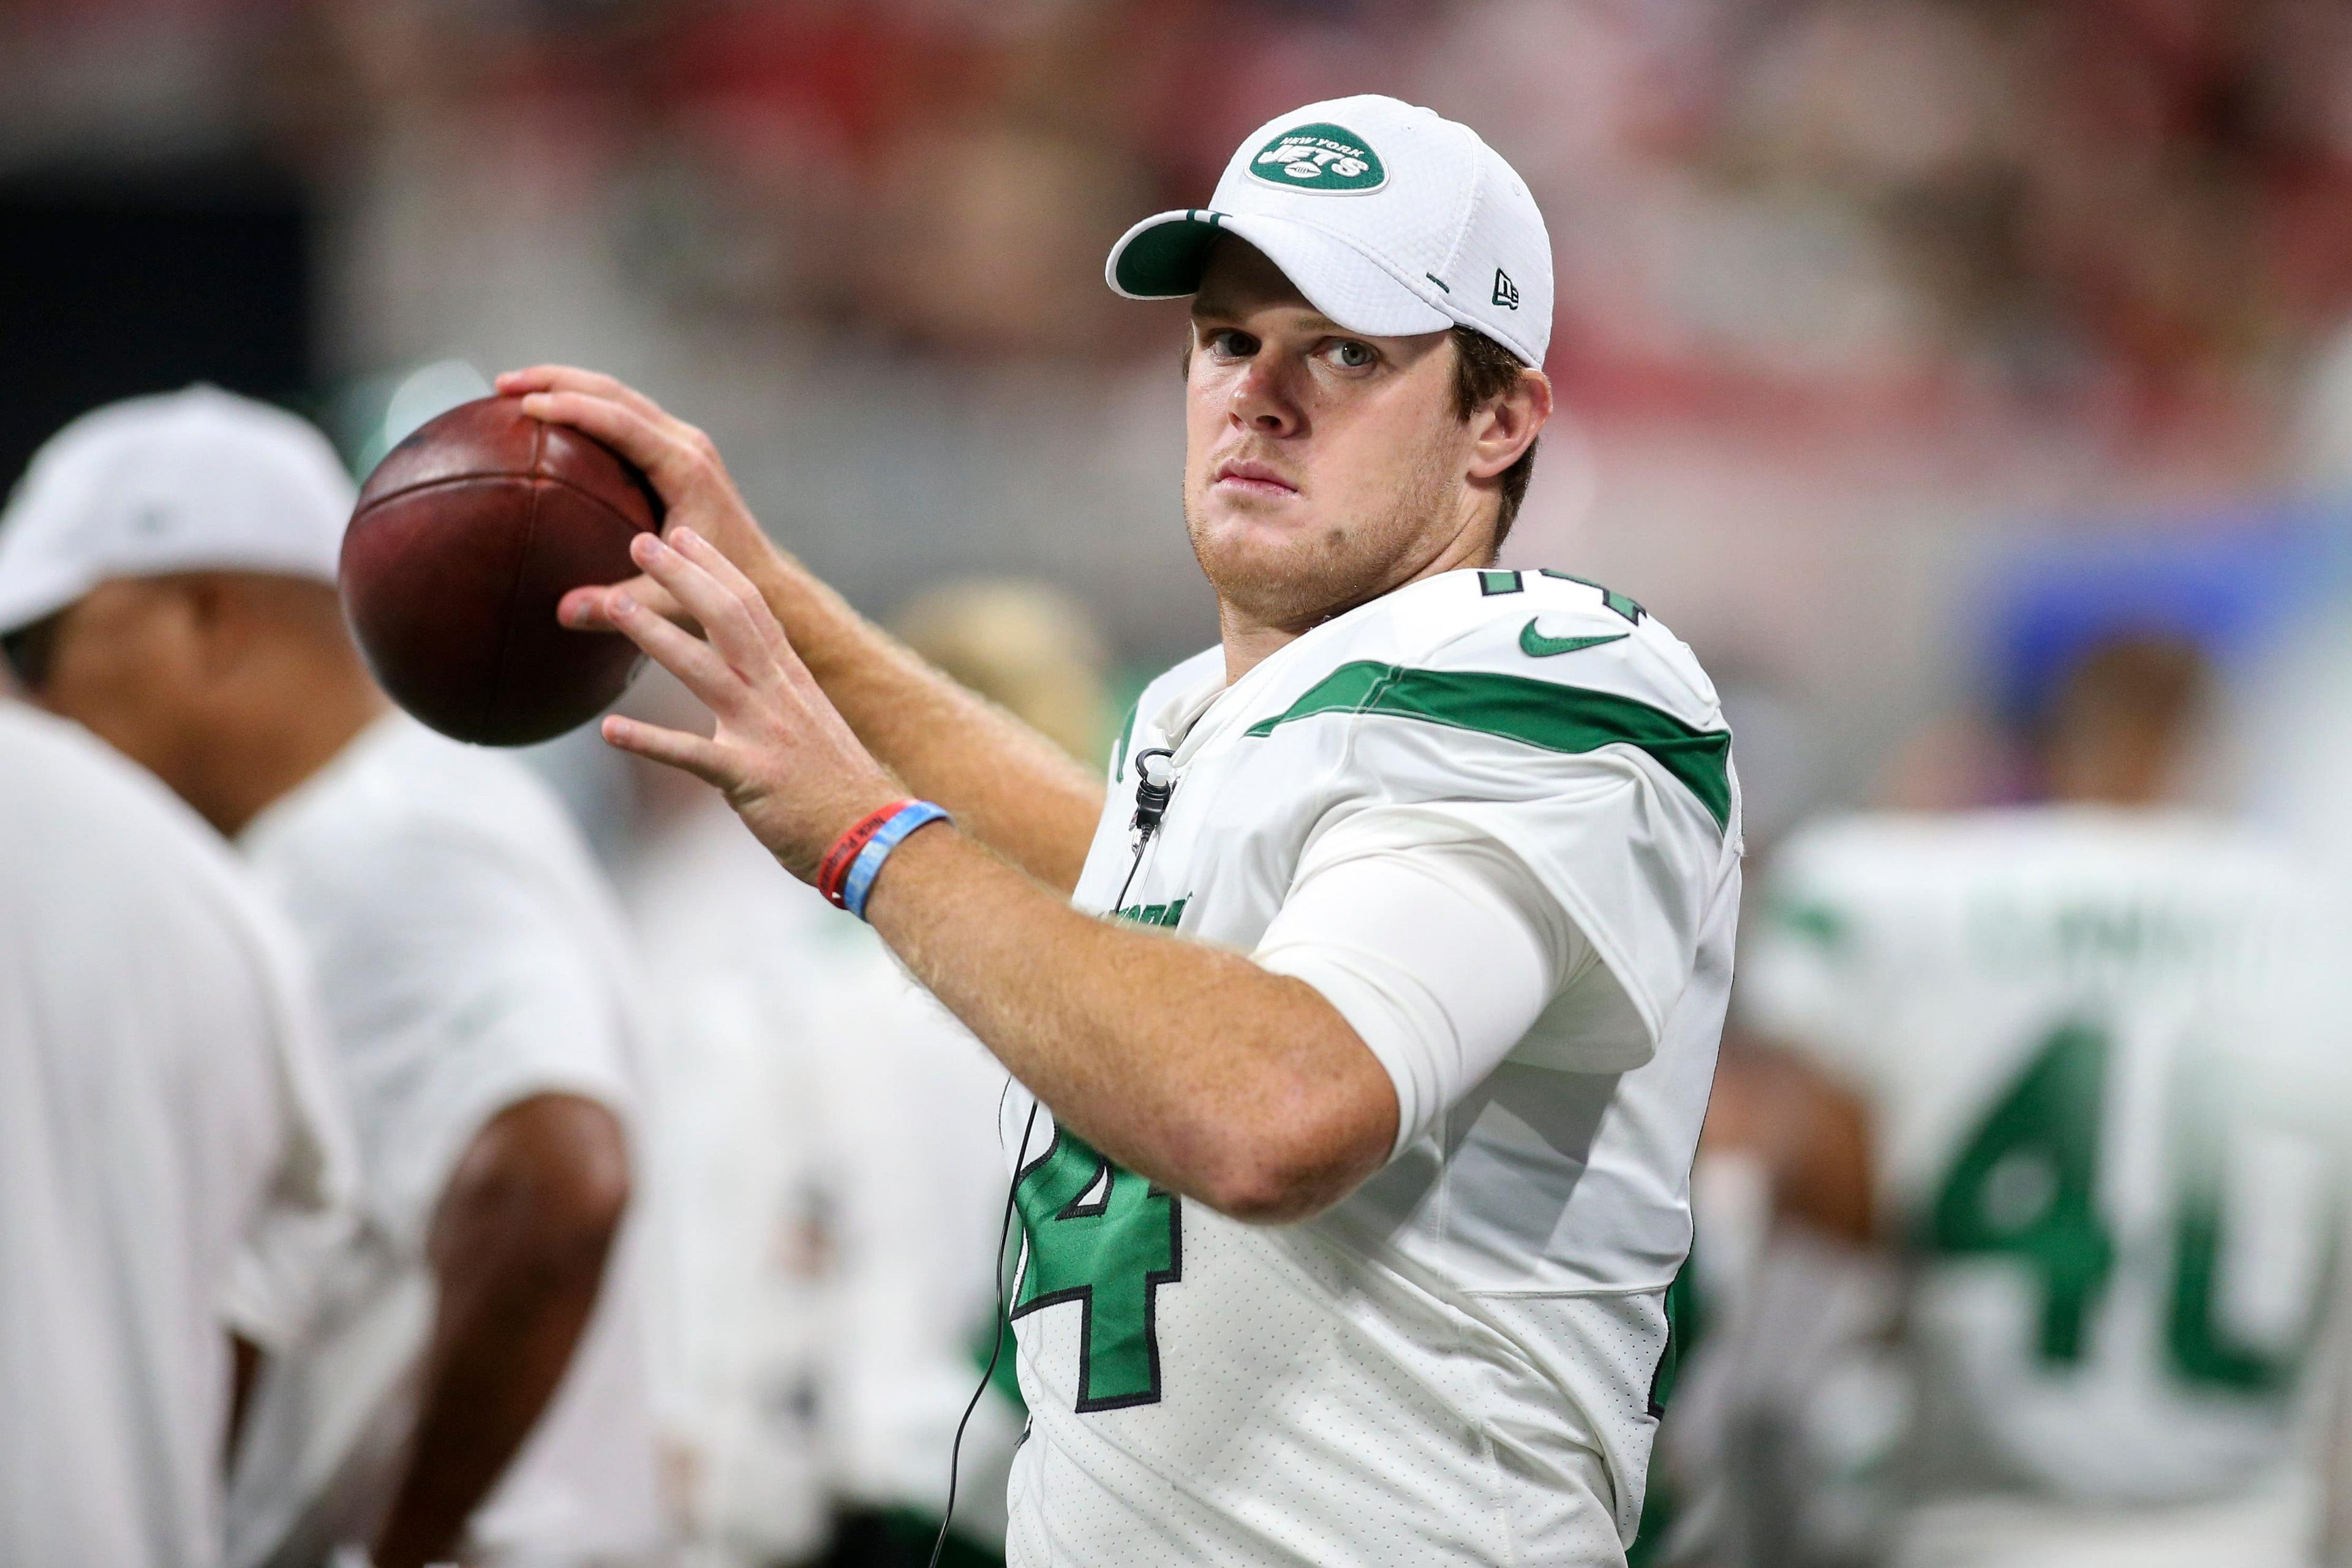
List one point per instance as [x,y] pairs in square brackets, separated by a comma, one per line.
[1535,645]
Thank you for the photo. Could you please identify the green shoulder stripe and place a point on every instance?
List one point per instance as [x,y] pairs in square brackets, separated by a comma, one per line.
[1534,713]
[1126,733]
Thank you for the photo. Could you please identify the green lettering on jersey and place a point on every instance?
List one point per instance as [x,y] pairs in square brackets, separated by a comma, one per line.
[1623,604]
[1166,915]
[2202,1346]
[1106,1239]
[1534,713]
[2027,1185]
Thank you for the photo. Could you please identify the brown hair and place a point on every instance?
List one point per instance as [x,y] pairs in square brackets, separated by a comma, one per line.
[1484,370]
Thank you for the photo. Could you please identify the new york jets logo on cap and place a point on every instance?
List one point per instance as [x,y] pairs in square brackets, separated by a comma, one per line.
[1319,157]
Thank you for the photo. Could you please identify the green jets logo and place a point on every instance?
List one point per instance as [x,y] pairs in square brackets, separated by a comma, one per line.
[1319,157]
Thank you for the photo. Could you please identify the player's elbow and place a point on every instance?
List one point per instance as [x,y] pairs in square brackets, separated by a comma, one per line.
[1313,1146]
[1266,1193]
[538,1197]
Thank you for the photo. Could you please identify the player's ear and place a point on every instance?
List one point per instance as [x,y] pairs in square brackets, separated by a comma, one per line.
[1508,424]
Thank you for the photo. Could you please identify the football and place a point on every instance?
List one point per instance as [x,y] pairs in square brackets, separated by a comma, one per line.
[465,537]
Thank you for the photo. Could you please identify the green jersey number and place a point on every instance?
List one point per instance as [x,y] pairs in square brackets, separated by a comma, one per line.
[2026,1185]
[1106,1239]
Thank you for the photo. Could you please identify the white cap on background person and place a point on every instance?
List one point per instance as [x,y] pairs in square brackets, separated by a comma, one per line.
[1390,219]
[195,480]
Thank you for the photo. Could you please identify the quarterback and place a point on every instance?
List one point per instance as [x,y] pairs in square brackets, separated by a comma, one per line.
[1370,1009]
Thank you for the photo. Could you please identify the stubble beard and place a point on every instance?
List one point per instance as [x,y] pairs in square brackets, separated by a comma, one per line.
[1302,582]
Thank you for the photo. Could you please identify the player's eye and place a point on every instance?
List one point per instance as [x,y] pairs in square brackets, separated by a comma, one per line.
[1229,343]
[1349,355]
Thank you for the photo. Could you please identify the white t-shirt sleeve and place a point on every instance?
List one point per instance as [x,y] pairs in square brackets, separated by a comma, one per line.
[455,989]
[1440,957]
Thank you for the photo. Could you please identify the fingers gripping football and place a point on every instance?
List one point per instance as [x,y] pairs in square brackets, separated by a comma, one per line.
[786,759]
[682,462]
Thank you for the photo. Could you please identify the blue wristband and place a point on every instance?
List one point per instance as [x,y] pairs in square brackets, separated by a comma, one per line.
[856,886]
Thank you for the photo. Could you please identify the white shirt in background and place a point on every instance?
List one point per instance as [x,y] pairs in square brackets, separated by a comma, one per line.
[470,956]
[830,1133]
[165,1103]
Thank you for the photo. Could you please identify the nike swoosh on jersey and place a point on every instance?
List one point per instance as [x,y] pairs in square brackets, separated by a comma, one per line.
[1535,645]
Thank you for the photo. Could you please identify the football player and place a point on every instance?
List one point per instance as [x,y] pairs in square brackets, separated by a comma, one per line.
[2091,1045]
[1363,1018]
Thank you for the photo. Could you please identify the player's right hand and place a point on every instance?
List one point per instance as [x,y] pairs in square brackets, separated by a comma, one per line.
[681,460]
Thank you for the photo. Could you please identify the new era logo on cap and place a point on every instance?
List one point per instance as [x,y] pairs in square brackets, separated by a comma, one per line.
[1319,157]
[1437,229]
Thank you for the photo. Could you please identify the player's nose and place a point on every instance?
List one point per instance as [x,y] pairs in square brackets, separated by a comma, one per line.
[1262,399]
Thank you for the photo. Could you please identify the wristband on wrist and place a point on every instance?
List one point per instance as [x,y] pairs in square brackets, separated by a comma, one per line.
[846,876]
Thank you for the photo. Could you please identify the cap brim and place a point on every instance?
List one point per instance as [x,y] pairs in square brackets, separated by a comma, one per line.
[32,596]
[1163,257]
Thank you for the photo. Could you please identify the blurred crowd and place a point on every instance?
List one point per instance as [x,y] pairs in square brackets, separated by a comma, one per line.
[1833,276]
[2132,211]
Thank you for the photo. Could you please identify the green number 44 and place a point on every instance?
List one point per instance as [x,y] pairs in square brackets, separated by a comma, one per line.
[2027,1186]
[1106,1239]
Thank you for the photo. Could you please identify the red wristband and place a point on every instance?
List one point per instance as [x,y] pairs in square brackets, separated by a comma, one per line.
[833,871]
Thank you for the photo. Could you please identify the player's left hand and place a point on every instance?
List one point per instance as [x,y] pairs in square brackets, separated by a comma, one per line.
[782,755]
[681,463]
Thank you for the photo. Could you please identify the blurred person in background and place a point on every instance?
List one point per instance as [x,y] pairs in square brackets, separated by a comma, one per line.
[831,1139]
[167,1117]
[476,1380]
[2079,1063]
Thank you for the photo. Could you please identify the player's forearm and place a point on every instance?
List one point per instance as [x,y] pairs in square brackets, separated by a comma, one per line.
[1186,1064]
[1008,786]
[518,1250]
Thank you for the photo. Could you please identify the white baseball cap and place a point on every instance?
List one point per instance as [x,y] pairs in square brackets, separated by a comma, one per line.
[195,480]
[1391,220]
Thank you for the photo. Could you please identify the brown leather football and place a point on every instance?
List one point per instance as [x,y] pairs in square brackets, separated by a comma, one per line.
[465,536]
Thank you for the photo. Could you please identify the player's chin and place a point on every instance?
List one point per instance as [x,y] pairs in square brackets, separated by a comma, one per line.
[1251,520]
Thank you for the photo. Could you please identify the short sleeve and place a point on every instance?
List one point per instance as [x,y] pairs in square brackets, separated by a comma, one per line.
[1612,845]
[1440,956]
[1516,903]
[457,986]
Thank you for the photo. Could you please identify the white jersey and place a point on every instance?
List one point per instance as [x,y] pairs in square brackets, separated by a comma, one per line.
[469,956]
[164,1104]
[1454,1365]
[2096,1049]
